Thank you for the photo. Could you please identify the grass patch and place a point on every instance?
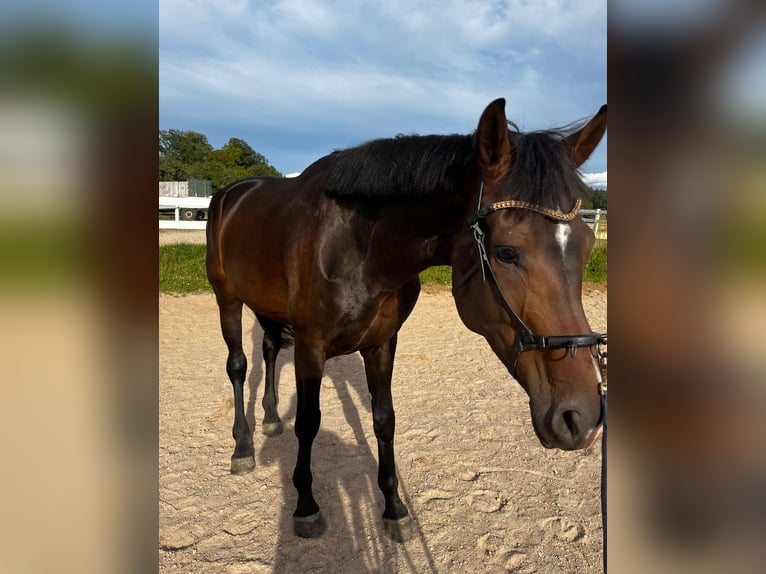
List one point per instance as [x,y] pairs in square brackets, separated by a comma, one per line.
[595,268]
[182,268]
[440,276]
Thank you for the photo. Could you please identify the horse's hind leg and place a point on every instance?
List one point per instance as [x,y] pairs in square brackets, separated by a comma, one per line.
[378,366]
[272,342]
[243,459]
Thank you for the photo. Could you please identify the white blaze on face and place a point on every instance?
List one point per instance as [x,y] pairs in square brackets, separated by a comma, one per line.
[562,236]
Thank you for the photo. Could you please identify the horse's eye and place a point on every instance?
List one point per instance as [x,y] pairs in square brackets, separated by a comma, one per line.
[507,254]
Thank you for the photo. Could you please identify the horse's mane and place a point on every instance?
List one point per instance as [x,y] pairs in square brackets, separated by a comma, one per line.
[401,166]
[417,166]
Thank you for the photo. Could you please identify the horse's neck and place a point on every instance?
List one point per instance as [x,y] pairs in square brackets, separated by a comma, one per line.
[437,225]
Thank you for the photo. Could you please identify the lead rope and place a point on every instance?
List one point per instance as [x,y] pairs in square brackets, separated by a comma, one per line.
[602,392]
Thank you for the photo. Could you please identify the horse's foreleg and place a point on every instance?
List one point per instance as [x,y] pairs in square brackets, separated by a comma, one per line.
[378,366]
[243,459]
[309,366]
[272,342]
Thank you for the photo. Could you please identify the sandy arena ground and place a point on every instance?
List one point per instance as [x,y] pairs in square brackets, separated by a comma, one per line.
[485,496]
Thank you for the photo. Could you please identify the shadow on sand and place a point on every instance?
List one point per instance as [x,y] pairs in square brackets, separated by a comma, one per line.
[345,477]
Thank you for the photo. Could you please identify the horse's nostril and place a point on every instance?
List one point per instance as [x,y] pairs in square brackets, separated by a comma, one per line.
[571,419]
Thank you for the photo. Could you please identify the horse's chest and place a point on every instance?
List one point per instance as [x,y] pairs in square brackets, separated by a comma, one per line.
[367,325]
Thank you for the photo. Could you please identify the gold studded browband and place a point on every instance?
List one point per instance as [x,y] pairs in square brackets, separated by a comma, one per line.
[515,203]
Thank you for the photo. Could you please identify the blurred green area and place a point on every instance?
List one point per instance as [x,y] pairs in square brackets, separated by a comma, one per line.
[78,122]
[97,80]
[742,251]
[72,107]
[40,255]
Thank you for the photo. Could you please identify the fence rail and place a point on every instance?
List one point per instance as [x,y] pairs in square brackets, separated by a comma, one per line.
[596,218]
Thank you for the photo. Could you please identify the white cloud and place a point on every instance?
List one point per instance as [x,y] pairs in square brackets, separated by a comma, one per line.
[350,71]
[296,52]
[597,180]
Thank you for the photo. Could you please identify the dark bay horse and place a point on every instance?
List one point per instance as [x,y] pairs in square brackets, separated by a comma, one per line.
[330,260]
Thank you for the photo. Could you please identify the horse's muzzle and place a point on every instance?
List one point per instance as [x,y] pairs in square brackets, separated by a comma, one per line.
[568,427]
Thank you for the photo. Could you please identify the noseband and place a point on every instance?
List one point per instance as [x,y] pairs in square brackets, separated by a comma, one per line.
[526,339]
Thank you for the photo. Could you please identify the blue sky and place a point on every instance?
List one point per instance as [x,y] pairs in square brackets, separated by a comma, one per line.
[299,78]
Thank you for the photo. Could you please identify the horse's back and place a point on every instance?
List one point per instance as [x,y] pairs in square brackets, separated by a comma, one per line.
[299,257]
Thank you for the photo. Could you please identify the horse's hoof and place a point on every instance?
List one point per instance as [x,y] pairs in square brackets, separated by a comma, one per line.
[312,526]
[242,465]
[272,429]
[400,530]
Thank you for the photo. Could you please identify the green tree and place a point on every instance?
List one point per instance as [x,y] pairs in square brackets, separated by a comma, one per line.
[265,169]
[594,199]
[220,167]
[248,157]
[185,155]
[179,152]
[172,169]
[189,146]
[599,199]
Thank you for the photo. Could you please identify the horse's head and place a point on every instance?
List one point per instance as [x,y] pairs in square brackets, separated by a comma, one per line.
[536,252]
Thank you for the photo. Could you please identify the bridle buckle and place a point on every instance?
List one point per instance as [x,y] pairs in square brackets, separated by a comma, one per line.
[478,237]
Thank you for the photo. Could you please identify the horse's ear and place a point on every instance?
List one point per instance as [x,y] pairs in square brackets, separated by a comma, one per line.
[584,141]
[492,143]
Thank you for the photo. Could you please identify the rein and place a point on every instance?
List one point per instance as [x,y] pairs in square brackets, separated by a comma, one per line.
[526,339]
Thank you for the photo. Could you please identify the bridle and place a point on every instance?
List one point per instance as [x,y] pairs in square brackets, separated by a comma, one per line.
[526,339]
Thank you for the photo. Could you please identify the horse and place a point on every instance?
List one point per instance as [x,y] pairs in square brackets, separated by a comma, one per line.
[329,261]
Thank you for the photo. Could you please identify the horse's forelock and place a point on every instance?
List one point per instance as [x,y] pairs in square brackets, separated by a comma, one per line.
[542,172]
